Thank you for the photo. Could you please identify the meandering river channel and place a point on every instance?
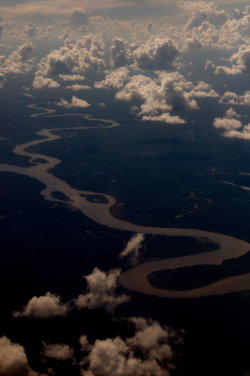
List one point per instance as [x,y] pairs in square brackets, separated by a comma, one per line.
[136,278]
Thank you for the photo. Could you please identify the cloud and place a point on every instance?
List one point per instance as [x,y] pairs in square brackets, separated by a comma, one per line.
[133,245]
[231,113]
[233,128]
[145,89]
[240,63]
[73,59]
[156,53]
[13,359]
[120,52]
[70,62]
[159,96]
[71,77]
[149,336]
[239,23]
[43,307]
[192,43]
[215,27]
[244,134]
[115,79]
[245,98]
[230,97]
[147,353]
[101,291]
[227,123]
[17,61]
[165,118]
[204,12]
[41,82]
[75,102]
[241,58]
[203,90]
[77,87]
[57,351]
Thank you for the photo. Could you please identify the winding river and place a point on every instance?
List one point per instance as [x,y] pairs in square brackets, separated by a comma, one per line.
[136,278]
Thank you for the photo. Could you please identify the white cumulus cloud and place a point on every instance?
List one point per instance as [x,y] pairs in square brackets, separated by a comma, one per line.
[13,359]
[57,351]
[75,102]
[41,82]
[133,245]
[115,79]
[147,353]
[17,62]
[156,53]
[43,307]
[101,291]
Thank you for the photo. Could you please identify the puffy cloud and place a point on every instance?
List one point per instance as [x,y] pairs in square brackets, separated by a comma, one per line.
[13,359]
[87,53]
[170,91]
[115,79]
[156,53]
[41,82]
[233,128]
[214,27]
[69,62]
[221,69]
[230,97]
[101,291]
[148,335]
[43,307]
[203,90]
[144,89]
[245,98]
[58,351]
[71,77]
[133,245]
[77,87]
[239,24]
[164,118]
[75,102]
[241,59]
[22,53]
[17,62]
[227,123]
[231,113]
[240,63]
[204,12]
[147,353]
[120,52]
[243,135]
[192,42]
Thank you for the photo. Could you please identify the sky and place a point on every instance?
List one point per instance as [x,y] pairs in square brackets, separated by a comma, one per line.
[166,61]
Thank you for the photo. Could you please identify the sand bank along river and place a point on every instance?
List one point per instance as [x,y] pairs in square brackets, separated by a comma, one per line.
[136,278]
